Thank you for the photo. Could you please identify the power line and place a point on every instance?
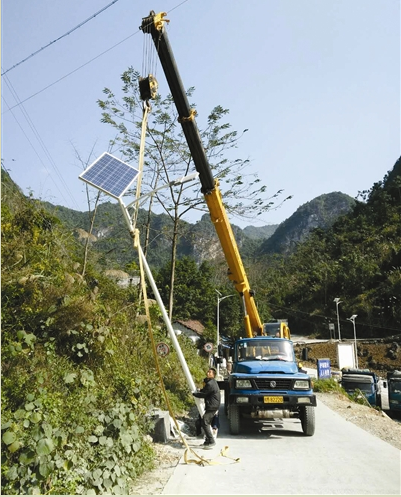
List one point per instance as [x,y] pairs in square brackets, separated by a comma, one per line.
[72,72]
[83,65]
[60,37]
[41,142]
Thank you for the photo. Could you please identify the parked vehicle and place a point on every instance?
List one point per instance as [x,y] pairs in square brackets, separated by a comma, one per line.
[394,391]
[363,380]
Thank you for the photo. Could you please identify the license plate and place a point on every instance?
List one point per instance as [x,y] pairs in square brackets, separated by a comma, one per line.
[272,400]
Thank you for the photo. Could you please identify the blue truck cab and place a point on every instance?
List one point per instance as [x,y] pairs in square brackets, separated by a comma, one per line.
[362,380]
[394,391]
[266,383]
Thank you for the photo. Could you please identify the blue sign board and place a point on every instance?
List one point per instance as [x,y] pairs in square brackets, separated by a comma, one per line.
[323,369]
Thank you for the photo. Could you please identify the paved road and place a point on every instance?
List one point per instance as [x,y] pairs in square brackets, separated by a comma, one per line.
[340,458]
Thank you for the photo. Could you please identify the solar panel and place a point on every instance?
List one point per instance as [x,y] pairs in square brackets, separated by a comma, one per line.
[109,174]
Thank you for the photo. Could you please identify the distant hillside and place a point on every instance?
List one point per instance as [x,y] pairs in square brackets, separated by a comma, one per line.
[321,212]
[261,232]
[198,240]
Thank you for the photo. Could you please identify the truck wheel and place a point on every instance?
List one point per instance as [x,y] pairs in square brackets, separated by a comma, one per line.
[308,420]
[234,419]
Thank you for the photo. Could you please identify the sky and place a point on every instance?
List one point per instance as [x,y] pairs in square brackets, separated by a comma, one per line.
[316,83]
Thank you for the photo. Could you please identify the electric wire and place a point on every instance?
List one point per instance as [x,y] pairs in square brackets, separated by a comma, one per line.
[36,152]
[87,63]
[74,71]
[60,37]
[41,143]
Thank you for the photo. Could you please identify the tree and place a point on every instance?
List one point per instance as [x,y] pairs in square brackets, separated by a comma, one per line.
[167,157]
[194,297]
[92,215]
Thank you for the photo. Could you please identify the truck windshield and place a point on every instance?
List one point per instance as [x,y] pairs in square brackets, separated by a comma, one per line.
[264,350]
[394,386]
[353,385]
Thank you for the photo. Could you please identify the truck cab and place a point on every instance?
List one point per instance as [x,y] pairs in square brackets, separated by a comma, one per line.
[364,380]
[394,391]
[266,383]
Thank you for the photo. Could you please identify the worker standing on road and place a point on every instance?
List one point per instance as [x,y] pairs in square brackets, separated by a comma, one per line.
[211,393]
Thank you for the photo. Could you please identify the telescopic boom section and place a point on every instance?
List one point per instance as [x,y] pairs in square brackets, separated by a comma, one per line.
[155,26]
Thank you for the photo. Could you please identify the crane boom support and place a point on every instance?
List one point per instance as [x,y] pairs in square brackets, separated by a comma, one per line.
[154,25]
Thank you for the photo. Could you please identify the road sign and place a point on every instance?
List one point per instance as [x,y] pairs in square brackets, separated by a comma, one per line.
[208,347]
[323,368]
[162,349]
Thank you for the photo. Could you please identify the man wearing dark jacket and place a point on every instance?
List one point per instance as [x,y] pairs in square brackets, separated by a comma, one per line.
[211,393]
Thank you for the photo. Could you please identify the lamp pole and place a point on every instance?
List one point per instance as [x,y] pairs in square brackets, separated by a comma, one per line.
[219,299]
[352,319]
[338,301]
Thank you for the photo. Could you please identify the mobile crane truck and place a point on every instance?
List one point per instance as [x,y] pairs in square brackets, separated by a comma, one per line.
[265,382]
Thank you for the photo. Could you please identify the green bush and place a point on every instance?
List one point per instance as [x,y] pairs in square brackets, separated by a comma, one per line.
[327,385]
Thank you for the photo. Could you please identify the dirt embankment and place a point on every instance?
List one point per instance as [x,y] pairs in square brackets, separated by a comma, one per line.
[379,356]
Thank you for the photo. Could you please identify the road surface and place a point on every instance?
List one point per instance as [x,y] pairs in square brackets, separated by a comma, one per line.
[340,458]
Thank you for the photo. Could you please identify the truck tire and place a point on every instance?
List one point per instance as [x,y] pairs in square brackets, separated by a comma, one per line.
[234,419]
[308,420]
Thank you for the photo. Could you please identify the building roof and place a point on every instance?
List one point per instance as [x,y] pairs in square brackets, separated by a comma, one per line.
[192,325]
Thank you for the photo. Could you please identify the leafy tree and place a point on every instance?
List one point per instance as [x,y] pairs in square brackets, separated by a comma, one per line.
[194,297]
[167,157]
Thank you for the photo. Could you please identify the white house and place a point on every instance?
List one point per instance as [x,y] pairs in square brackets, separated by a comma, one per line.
[192,329]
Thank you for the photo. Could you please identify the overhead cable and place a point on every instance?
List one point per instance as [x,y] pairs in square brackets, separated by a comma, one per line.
[72,72]
[41,142]
[81,66]
[60,37]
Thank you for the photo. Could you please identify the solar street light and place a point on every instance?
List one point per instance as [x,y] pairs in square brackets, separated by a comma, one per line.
[114,177]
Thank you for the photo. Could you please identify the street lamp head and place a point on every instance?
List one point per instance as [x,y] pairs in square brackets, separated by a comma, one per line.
[184,179]
[352,318]
[337,300]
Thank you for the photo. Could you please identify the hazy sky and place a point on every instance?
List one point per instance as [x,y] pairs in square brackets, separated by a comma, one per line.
[316,83]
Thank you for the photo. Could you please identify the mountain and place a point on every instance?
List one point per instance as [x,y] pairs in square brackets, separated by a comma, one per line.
[199,240]
[261,232]
[321,212]
[111,238]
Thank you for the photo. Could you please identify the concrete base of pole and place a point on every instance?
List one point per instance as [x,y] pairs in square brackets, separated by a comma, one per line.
[161,430]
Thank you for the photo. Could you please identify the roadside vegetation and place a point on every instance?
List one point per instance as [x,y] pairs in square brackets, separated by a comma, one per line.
[78,375]
[327,385]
